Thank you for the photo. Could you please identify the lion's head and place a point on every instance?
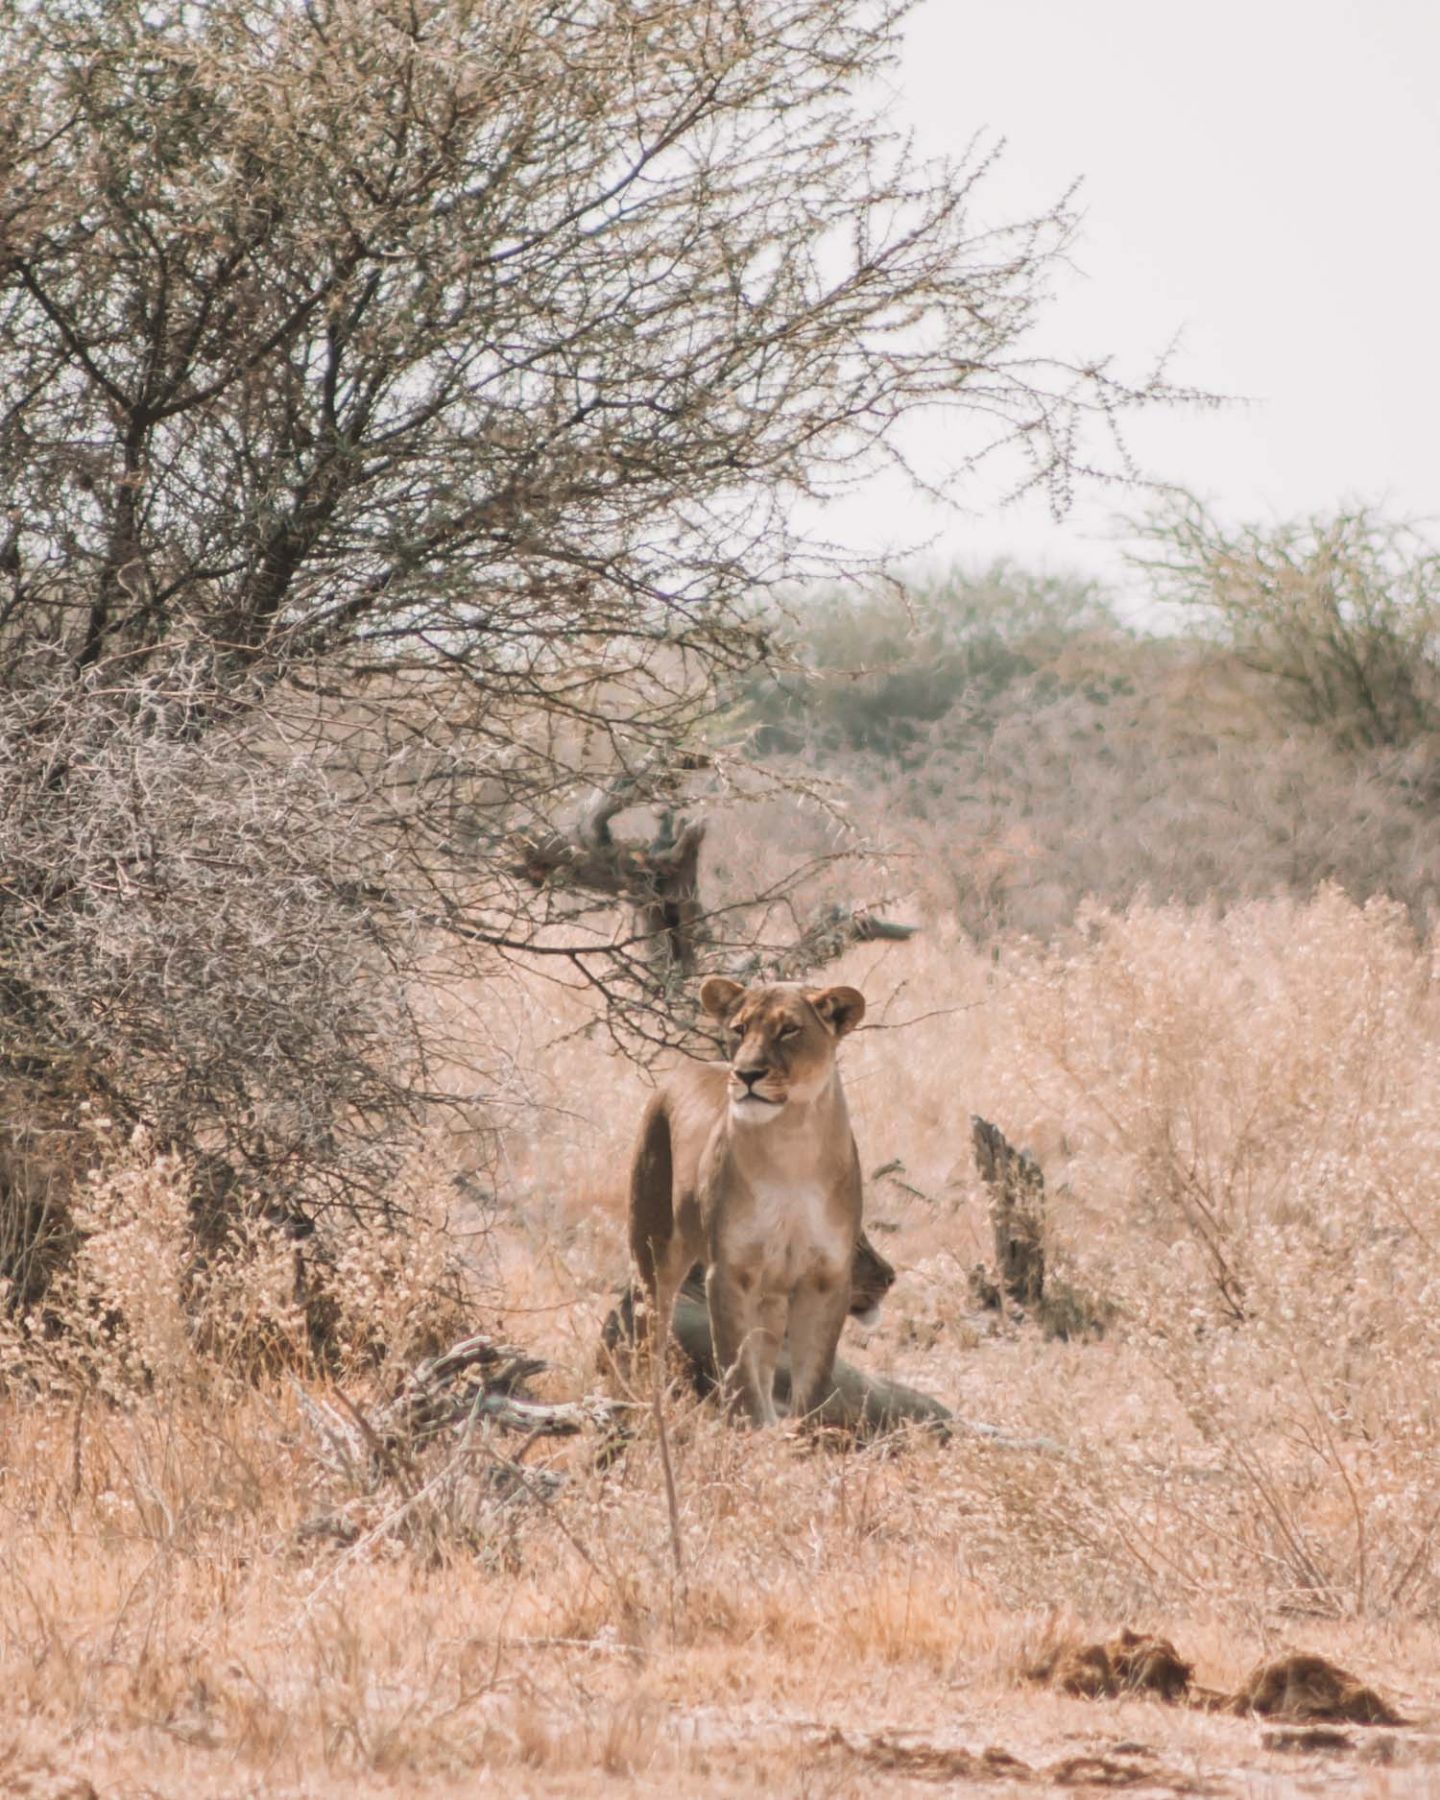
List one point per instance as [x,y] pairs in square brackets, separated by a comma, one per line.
[782,1041]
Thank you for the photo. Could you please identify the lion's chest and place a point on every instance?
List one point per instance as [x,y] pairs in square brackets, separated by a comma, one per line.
[787,1233]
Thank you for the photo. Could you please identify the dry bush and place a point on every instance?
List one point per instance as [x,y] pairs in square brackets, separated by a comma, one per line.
[1149,768]
[186,949]
[142,1304]
[1342,613]
[1251,1147]
[36,1232]
[1014,751]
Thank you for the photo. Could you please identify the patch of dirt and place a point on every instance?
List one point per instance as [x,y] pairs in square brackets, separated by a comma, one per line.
[919,1759]
[1306,1738]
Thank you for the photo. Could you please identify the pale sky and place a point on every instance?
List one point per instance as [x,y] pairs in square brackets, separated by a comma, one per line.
[1261,177]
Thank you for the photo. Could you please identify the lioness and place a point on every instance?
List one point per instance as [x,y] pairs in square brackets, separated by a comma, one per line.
[751,1169]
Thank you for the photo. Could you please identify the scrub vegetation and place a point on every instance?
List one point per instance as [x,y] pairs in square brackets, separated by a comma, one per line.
[413,678]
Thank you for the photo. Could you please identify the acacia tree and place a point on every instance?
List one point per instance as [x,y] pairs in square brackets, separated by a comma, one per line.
[1342,612]
[402,410]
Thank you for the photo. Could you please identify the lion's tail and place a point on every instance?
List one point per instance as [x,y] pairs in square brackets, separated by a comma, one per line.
[652,1180]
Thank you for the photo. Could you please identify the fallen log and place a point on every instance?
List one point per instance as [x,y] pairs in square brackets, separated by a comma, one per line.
[442,1399]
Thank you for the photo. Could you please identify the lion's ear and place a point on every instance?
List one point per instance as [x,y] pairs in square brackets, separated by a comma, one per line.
[719,995]
[842,1008]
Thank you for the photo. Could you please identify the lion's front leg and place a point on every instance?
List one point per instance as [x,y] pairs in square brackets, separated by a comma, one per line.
[818,1310]
[665,1271]
[747,1329]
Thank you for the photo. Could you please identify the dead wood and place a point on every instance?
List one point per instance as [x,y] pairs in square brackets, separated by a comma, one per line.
[833,930]
[479,1379]
[475,1381]
[660,880]
[1020,1279]
[1017,1211]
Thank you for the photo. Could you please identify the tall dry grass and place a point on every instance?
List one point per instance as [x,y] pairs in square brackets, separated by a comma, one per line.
[1235,1113]
[1251,1144]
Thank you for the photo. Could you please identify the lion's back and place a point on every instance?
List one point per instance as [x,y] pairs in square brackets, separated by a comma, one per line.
[677,1123]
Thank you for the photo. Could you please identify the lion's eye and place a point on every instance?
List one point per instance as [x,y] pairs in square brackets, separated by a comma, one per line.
[789,1031]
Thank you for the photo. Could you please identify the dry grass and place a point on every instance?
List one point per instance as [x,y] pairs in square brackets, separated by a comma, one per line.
[1237,1121]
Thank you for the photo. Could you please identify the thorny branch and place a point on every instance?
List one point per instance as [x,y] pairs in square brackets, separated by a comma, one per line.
[404,407]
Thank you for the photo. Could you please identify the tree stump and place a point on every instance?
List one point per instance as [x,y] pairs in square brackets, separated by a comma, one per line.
[1017,1212]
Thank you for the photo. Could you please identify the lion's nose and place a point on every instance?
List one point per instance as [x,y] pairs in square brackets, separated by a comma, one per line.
[750,1076]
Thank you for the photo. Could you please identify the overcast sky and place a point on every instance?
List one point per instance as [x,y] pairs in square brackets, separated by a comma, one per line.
[1260,176]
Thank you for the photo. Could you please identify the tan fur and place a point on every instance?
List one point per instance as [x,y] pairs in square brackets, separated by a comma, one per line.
[751,1170]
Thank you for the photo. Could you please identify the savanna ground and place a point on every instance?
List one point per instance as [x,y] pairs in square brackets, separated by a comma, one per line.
[1236,1116]
[405,407]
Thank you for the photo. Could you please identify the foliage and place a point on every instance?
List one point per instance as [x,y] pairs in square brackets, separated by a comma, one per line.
[403,406]
[1016,750]
[1342,612]
[872,667]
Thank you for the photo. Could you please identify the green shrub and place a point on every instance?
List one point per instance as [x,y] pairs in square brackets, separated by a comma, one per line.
[871,670]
